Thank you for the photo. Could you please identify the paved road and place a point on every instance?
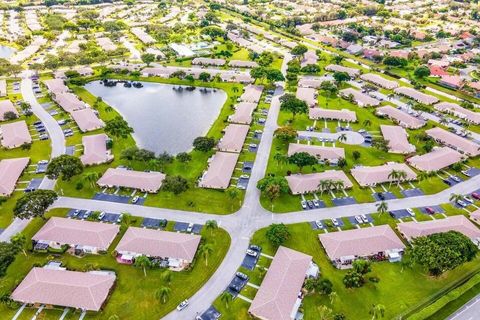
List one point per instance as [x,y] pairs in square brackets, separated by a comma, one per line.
[470,311]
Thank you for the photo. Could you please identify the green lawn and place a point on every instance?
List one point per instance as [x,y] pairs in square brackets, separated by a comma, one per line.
[133,295]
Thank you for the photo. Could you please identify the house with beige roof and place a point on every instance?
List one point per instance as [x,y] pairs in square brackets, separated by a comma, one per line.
[361,99]
[233,138]
[10,172]
[278,297]
[177,249]
[371,176]
[81,236]
[243,113]
[459,223]
[59,287]
[208,62]
[309,95]
[313,81]
[377,243]
[121,177]
[56,86]
[242,64]
[454,141]
[379,81]
[251,93]
[397,139]
[331,114]
[400,117]
[14,134]
[95,150]
[456,110]
[310,183]
[87,120]
[7,106]
[436,160]
[352,72]
[69,102]
[220,170]
[416,95]
[320,152]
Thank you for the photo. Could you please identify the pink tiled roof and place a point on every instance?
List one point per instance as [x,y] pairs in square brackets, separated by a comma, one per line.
[87,120]
[313,82]
[95,149]
[435,160]
[234,137]
[243,113]
[15,134]
[416,95]
[322,153]
[310,57]
[208,61]
[68,101]
[368,176]
[243,64]
[379,80]
[156,243]
[352,72]
[330,114]
[306,183]
[397,138]
[437,71]
[278,293]
[308,95]
[466,114]
[56,85]
[10,171]
[220,170]
[361,242]
[360,98]
[73,289]
[454,81]
[6,106]
[454,141]
[458,223]
[78,232]
[121,177]
[401,117]
[252,93]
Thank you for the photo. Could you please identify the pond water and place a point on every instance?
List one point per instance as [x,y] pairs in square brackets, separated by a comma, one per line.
[6,52]
[163,119]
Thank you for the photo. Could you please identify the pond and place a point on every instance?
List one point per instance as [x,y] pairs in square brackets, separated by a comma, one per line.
[6,52]
[163,117]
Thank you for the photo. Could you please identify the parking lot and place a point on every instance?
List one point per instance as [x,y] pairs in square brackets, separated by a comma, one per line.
[249,262]
[210,314]
[111,197]
[183,227]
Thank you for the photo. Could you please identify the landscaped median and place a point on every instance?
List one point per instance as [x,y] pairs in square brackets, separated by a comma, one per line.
[134,295]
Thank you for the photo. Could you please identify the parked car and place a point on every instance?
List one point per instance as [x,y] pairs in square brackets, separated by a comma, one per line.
[255,247]
[43,162]
[316,203]
[101,215]
[235,288]
[304,205]
[43,137]
[335,222]
[310,203]
[135,199]
[76,212]
[87,214]
[319,224]
[429,210]
[242,276]
[252,253]
[447,182]
[364,218]
[456,179]
[190,227]
[465,172]
[476,195]
[120,218]
[358,219]
[182,305]
[468,199]
[410,212]
[461,203]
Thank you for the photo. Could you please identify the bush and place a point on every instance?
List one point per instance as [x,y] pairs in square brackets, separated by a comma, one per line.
[79,186]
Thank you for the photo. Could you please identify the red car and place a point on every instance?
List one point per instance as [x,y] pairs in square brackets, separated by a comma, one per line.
[429,210]
[476,195]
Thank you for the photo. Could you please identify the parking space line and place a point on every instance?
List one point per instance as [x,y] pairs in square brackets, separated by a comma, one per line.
[266,256]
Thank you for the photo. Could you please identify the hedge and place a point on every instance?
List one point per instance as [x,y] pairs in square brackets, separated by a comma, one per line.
[444,300]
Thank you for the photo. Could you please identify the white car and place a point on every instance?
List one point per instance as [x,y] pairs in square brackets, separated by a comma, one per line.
[461,203]
[252,253]
[364,218]
[182,305]
[358,219]
[101,215]
[410,212]
[335,222]
[319,224]
[190,227]
[468,199]
[135,199]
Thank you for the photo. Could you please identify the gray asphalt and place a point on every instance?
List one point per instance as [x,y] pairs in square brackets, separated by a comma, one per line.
[470,311]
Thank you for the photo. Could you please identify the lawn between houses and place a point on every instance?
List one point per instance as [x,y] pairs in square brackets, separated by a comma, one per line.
[133,295]
[399,288]
[194,199]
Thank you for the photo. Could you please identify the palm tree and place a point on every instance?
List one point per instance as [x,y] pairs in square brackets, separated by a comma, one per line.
[377,311]
[324,185]
[367,123]
[212,225]
[342,137]
[226,298]
[324,313]
[310,285]
[205,251]
[167,276]
[382,207]
[232,193]
[143,262]
[401,176]
[393,175]
[91,177]
[163,294]
[454,197]
[333,297]
[423,176]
